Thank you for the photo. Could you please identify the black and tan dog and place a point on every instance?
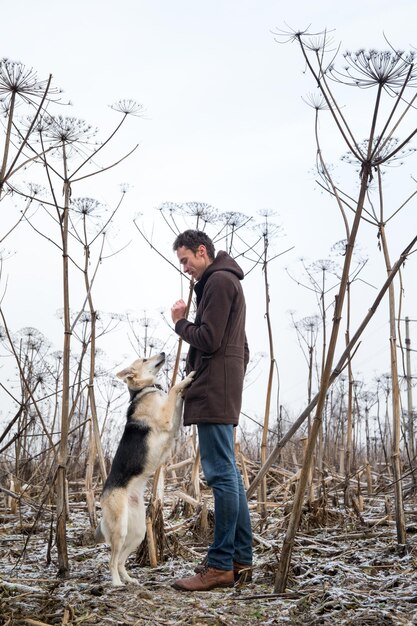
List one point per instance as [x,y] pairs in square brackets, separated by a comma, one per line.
[153,420]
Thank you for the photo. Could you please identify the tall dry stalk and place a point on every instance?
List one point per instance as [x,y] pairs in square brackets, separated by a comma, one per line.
[62,459]
[337,370]
[69,138]
[307,330]
[396,401]
[272,364]
[23,97]
[87,213]
[410,413]
[286,552]
[390,72]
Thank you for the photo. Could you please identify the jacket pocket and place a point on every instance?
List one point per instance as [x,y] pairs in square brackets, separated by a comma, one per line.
[234,351]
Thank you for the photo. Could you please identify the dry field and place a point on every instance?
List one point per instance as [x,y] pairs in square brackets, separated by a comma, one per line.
[346,570]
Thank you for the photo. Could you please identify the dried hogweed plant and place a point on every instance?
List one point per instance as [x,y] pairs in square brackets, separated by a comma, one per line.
[392,76]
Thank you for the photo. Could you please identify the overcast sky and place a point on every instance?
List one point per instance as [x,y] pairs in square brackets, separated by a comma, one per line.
[225,124]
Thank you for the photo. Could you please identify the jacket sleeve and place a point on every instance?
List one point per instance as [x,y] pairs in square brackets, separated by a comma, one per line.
[219,293]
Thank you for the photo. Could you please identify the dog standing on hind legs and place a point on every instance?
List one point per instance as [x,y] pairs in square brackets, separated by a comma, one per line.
[152,422]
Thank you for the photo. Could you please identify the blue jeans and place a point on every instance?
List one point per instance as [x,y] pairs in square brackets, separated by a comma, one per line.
[232,527]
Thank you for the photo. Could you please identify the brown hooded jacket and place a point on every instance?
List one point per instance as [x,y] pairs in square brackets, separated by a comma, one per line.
[218,348]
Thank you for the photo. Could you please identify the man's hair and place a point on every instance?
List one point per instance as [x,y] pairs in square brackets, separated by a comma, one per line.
[192,239]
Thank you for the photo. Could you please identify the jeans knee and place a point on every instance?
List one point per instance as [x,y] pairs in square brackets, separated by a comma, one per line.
[224,476]
[212,476]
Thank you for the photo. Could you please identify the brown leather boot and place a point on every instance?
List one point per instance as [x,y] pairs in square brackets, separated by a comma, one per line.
[209,578]
[241,573]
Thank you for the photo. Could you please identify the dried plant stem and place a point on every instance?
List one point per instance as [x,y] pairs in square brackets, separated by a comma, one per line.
[267,410]
[336,371]
[89,473]
[153,561]
[62,459]
[288,544]
[410,424]
[396,403]
[91,393]
[349,416]
[178,355]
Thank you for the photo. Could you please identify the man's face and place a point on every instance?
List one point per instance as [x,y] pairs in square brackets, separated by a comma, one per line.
[192,263]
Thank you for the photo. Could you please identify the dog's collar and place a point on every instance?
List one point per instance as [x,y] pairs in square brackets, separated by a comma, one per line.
[147,389]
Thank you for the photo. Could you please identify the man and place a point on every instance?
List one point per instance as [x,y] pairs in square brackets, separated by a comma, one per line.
[219,354]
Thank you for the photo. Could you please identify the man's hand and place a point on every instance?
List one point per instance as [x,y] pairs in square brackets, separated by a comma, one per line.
[178,311]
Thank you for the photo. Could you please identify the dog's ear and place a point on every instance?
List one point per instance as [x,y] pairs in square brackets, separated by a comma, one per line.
[126,373]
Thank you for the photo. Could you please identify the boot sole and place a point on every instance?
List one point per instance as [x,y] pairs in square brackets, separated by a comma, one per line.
[224,586]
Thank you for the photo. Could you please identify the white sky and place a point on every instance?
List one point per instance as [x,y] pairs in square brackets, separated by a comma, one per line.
[225,125]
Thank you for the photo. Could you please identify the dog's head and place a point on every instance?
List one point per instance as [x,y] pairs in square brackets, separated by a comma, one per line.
[142,372]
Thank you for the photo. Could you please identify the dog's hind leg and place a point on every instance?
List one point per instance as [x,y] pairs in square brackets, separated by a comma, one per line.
[132,541]
[136,530]
[116,548]
[118,552]
[98,534]
[128,548]
[114,526]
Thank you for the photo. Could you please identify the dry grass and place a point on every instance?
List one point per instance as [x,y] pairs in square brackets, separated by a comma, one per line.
[346,570]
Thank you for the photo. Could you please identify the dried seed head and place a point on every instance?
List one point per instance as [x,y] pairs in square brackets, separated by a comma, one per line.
[368,68]
[18,80]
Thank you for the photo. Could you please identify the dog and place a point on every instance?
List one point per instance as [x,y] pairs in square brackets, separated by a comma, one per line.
[152,422]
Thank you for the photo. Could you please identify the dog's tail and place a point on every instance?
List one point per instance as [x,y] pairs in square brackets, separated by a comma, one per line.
[98,536]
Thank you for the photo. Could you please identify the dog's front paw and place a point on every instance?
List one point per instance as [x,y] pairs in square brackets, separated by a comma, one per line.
[187,380]
[184,383]
[190,377]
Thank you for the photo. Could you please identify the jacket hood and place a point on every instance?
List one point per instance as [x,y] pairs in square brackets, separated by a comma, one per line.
[223,262]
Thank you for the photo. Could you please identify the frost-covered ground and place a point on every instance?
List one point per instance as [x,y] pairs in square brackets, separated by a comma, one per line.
[344,574]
